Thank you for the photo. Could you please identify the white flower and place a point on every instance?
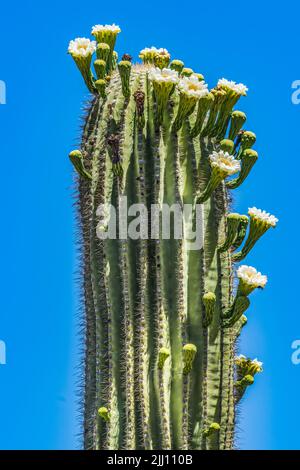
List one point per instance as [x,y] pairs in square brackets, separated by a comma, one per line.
[193,87]
[148,50]
[224,162]
[240,357]
[81,47]
[163,51]
[239,88]
[257,363]
[154,50]
[163,76]
[112,28]
[247,365]
[263,216]
[251,276]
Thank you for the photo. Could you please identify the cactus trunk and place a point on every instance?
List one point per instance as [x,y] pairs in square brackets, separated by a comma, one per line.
[162,317]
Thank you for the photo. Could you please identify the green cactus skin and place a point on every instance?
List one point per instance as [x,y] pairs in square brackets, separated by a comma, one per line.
[161,320]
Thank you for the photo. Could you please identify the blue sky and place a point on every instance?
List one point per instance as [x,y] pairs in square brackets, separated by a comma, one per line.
[255,43]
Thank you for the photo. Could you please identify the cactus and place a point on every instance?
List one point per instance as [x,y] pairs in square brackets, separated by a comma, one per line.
[162,314]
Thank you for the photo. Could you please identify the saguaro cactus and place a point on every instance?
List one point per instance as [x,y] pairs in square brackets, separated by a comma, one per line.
[162,313]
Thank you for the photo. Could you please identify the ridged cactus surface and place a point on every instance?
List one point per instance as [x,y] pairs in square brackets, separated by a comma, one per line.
[162,313]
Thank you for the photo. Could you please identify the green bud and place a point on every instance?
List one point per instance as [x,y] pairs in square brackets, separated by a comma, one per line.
[103,51]
[101,85]
[246,140]
[76,158]
[241,386]
[245,381]
[163,355]
[212,429]
[186,72]
[104,414]
[189,352]
[209,301]
[238,119]
[227,146]
[100,68]
[177,65]
[124,68]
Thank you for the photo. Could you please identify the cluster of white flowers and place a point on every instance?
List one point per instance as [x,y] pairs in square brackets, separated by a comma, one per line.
[193,87]
[163,76]
[81,47]
[154,51]
[251,276]
[225,162]
[241,360]
[239,88]
[112,28]
[257,363]
[262,216]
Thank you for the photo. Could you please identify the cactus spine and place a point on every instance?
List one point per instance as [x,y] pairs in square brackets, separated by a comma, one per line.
[162,318]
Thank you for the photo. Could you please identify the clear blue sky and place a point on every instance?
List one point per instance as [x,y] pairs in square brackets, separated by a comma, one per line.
[253,42]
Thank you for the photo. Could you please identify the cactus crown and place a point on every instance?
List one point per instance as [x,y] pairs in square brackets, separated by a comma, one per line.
[161,312]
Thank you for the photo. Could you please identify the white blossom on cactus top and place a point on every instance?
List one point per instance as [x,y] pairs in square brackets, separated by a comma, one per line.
[240,357]
[263,216]
[243,360]
[112,28]
[154,50]
[258,363]
[193,87]
[81,47]
[148,50]
[251,276]
[239,88]
[163,51]
[163,76]
[224,162]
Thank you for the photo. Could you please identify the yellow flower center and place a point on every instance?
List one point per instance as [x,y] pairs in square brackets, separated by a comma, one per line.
[193,87]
